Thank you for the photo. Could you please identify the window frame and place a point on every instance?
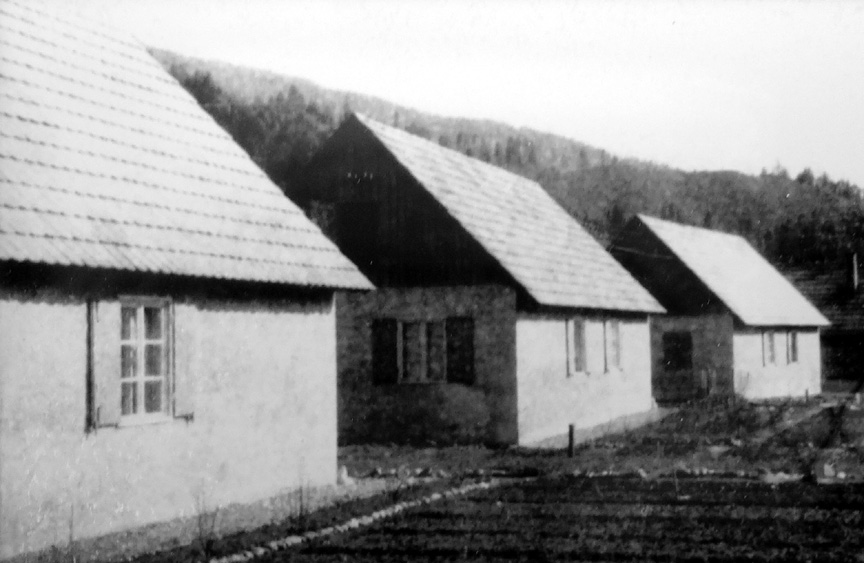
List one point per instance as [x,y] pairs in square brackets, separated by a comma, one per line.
[426,328]
[613,345]
[140,303]
[792,349]
[576,346]
[769,343]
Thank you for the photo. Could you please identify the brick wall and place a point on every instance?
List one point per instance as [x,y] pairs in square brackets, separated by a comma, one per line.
[754,380]
[265,419]
[437,412]
[711,359]
[550,400]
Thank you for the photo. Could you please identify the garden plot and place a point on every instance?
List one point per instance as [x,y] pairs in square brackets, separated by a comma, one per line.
[618,519]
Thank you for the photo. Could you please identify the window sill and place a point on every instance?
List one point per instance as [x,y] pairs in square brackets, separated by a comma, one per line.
[144,420]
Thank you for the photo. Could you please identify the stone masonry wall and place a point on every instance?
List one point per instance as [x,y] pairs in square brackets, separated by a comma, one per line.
[428,412]
[712,357]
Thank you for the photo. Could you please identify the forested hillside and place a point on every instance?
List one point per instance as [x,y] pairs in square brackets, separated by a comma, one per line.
[281,121]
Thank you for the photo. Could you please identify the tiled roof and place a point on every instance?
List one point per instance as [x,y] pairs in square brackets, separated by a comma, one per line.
[106,161]
[737,274]
[520,225]
[830,289]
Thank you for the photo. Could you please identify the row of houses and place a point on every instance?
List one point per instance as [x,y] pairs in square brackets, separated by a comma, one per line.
[173,328]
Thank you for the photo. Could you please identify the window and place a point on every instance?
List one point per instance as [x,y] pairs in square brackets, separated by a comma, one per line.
[791,347]
[575,334]
[144,362]
[769,350]
[130,364]
[612,344]
[677,351]
[423,351]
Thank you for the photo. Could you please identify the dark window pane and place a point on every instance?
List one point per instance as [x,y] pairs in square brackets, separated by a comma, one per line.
[153,359]
[385,359]
[678,351]
[577,343]
[437,354]
[128,323]
[153,323]
[128,361]
[153,396]
[414,349]
[129,398]
[460,350]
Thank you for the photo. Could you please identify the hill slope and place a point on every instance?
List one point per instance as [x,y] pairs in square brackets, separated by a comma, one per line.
[281,121]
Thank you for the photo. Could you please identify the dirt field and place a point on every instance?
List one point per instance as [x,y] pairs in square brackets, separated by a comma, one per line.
[618,519]
[716,481]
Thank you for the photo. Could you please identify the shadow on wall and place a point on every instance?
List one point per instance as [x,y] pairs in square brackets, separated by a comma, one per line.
[418,414]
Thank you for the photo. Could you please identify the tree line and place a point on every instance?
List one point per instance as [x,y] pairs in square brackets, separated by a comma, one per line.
[804,220]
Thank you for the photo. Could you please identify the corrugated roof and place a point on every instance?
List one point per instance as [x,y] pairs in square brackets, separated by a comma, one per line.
[520,225]
[738,275]
[106,161]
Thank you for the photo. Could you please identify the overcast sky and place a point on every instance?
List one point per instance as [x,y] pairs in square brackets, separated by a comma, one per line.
[696,85]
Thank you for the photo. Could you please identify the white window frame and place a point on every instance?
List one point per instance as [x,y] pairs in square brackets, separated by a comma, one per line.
[141,378]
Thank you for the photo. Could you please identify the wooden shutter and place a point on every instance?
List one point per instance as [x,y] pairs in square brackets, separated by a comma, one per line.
[385,351]
[460,350]
[105,369]
[183,346]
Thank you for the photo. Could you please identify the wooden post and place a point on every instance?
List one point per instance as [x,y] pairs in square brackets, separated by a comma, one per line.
[807,395]
[571,441]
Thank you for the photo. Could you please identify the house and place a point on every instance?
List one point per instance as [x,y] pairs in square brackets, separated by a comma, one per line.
[735,324]
[836,291]
[497,317]
[167,326]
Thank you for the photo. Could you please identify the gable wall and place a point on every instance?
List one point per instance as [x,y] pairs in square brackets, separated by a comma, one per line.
[410,240]
[549,400]
[265,418]
[754,380]
[654,266]
[712,357]
[444,412]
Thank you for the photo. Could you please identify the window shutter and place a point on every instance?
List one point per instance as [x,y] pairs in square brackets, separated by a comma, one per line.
[183,346]
[105,370]
[460,350]
[385,348]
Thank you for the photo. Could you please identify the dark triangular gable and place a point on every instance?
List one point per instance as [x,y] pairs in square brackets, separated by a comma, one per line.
[662,273]
[385,222]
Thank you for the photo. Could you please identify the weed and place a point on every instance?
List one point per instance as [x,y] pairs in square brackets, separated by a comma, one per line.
[206,520]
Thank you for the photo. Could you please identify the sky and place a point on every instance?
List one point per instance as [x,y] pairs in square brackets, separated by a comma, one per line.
[695,85]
